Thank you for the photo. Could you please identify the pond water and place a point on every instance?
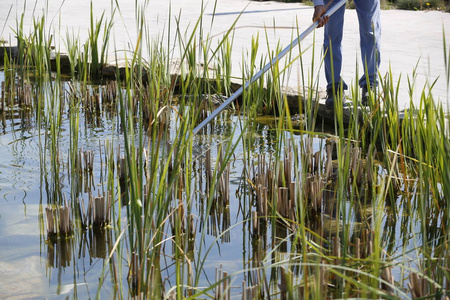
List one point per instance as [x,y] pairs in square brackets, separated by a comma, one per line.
[32,265]
[74,266]
[71,268]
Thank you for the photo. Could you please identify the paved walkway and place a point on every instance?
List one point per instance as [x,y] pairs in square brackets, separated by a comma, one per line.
[409,38]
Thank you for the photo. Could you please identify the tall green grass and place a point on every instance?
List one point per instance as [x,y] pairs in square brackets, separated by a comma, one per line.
[349,189]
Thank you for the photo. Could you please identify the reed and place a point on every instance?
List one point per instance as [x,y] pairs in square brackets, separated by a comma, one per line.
[2,98]
[317,211]
[98,58]
[59,224]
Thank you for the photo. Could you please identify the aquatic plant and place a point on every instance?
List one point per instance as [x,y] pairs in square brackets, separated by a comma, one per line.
[318,210]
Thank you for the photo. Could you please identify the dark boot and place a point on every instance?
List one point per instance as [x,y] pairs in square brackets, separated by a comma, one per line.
[332,97]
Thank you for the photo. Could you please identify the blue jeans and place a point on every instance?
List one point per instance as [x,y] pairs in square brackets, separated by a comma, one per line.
[370,34]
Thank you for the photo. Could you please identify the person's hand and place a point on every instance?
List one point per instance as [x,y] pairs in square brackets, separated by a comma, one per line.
[319,12]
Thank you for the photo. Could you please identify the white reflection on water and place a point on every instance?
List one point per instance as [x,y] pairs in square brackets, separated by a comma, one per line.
[22,273]
[22,279]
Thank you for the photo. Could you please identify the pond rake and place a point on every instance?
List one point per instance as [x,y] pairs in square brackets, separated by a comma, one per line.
[280,55]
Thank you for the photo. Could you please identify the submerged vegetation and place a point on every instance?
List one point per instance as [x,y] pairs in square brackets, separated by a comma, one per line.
[361,210]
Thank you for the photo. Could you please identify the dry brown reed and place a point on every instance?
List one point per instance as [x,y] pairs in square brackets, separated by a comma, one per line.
[256,276]
[284,281]
[178,219]
[87,157]
[417,286]
[223,184]
[24,95]
[313,188]
[208,171]
[336,250]
[274,182]
[109,92]
[223,289]
[91,101]
[16,94]
[58,223]
[2,97]
[99,209]
[83,168]
[217,186]
[192,227]
[134,275]
[250,292]
[386,275]
[275,185]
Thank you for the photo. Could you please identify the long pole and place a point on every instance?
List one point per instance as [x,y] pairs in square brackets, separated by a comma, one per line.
[280,55]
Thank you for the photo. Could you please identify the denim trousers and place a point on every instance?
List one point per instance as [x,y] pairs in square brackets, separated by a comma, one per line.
[370,34]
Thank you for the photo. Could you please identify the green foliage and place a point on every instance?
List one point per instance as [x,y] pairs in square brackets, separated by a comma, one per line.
[160,186]
[420,4]
[401,4]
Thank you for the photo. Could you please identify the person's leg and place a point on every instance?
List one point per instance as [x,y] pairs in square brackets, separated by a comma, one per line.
[370,35]
[332,47]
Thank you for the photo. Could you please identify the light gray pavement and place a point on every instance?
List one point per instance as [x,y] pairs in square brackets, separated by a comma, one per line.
[409,38]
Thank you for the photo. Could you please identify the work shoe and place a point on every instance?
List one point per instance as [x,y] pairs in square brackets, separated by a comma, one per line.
[331,97]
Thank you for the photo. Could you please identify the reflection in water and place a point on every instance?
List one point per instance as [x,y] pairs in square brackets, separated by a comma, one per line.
[302,213]
[334,227]
[92,243]
[99,242]
[219,222]
[59,253]
[217,188]
[68,254]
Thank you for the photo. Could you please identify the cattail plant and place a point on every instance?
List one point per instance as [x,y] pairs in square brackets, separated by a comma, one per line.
[59,224]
